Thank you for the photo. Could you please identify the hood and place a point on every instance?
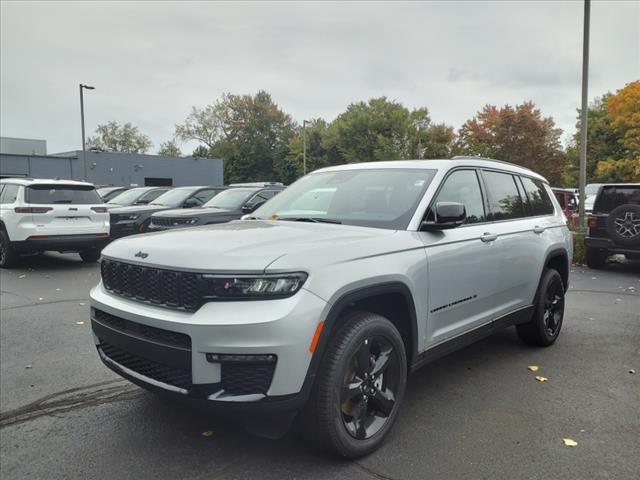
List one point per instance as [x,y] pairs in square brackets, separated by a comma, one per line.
[193,212]
[137,209]
[249,245]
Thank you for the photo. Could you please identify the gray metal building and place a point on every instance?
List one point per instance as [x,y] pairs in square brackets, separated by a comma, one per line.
[23,146]
[112,168]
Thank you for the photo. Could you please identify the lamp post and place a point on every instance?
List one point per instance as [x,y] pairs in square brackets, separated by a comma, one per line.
[304,146]
[583,112]
[84,151]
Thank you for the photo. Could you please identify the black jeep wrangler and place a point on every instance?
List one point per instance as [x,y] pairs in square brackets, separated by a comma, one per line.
[614,224]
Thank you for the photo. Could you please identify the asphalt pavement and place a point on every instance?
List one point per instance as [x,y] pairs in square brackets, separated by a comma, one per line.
[477,413]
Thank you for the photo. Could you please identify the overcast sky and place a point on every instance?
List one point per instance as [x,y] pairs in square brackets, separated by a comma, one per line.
[152,61]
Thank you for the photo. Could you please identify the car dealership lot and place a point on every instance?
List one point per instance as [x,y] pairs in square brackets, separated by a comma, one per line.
[478,413]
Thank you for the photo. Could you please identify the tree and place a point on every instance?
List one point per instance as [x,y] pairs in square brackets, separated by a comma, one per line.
[114,137]
[624,110]
[519,135]
[317,156]
[170,149]
[205,125]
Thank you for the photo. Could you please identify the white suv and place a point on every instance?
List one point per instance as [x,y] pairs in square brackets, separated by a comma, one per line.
[318,304]
[60,215]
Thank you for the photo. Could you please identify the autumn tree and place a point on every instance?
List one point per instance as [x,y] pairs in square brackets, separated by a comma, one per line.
[114,137]
[170,149]
[519,135]
[317,154]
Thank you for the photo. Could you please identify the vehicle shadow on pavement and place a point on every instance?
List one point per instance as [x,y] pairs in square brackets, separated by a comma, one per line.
[51,262]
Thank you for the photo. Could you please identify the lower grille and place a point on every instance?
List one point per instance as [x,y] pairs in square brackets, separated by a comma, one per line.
[247,379]
[162,373]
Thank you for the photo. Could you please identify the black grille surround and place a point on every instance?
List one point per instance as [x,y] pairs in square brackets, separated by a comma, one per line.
[170,222]
[172,289]
[238,379]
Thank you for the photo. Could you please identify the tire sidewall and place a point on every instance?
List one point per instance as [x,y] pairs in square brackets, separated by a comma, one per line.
[550,276]
[376,325]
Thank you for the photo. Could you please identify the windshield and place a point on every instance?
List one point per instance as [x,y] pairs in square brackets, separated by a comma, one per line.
[127,197]
[382,198]
[231,199]
[173,198]
[614,196]
[72,194]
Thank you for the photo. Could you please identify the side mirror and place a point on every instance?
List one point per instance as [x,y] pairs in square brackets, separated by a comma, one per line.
[447,215]
[190,203]
[250,207]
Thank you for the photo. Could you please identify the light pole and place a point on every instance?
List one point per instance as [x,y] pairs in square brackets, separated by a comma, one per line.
[583,112]
[304,146]
[84,151]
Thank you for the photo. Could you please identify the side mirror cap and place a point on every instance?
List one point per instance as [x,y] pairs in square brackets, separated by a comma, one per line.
[447,215]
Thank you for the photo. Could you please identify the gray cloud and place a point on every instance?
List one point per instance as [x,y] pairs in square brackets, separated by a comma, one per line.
[151,61]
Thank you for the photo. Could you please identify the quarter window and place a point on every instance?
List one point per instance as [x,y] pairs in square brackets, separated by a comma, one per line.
[9,193]
[504,198]
[462,186]
[539,201]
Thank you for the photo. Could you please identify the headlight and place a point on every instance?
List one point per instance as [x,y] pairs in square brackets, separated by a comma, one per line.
[133,216]
[263,286]
[191,221]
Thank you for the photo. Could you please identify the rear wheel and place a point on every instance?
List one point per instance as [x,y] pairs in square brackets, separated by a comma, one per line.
[8,256]
[596,258]
[90,256]
[359,387]
[544,327]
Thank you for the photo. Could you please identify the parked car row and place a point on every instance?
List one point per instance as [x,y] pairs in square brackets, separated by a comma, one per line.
[70,216]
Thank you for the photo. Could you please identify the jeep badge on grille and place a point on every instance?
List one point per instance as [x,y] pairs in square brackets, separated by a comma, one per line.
[141,254]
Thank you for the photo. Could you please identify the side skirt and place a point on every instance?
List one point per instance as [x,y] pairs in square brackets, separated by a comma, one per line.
[521,315]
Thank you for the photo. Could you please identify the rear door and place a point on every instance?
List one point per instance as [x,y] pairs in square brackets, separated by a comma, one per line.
[71,209]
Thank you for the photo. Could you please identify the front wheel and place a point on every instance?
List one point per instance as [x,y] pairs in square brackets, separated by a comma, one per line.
[360,385]
[544,327]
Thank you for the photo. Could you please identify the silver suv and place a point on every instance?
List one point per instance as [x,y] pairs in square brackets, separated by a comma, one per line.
[316,306]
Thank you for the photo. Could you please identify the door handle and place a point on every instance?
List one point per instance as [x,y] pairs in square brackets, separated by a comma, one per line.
[488,237]
[538,229]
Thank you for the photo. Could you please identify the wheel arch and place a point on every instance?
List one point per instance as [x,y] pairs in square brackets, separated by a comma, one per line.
[558,259]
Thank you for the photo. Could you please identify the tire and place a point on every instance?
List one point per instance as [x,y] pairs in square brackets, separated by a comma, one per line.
[90,256]
[9,258]
[544,327]
[353,419]
[596,258]
[623,225]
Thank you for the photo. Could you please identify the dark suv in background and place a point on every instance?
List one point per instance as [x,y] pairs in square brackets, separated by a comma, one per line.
[135,219]
[137,196]
[231,204]
[614,224]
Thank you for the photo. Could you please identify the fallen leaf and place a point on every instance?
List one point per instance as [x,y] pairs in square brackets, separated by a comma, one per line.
[57,289]
[540,378]
[22,276]
[533,368]
[28,366]
[594,278]
[569,442]
[632,371]
[82,304]
[40,298]
[80,323]
[207,433]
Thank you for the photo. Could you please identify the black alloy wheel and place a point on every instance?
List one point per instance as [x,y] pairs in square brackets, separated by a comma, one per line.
[369,389]
[545,324]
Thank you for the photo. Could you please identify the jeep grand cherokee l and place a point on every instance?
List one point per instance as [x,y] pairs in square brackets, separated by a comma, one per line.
[59,215]
[322,314]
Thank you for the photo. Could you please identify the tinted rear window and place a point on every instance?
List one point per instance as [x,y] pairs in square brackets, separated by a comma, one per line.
[614,196]
[539,201]
[504,198]
[68,194]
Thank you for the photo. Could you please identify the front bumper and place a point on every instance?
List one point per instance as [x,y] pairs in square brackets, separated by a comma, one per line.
[61,243]
[166,350]
[125,228]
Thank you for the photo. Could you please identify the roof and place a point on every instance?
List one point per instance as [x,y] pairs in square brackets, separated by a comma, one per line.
[438,164]
[41,181]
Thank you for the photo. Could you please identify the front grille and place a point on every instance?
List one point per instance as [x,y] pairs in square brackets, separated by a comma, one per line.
[240,379]
[169,222]
[167,288]
[177,377]
[159,335]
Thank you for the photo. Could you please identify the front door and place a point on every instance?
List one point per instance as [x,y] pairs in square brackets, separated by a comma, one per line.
[463,263]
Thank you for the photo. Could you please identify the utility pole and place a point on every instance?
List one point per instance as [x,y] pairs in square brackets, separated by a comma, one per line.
[583,112]
[304,146]
[84,150]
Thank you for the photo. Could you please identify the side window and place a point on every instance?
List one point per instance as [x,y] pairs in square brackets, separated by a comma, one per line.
[203,196]
[462,186]
[9,193]
[152,195]
[261,197]
[539,201]
[504,198]
[1,190]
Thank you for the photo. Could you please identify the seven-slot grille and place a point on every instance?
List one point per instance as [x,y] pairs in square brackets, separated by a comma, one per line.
[169,222]
[178,290]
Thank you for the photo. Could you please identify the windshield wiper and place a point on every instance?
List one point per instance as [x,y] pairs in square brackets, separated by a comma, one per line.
[311,219]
